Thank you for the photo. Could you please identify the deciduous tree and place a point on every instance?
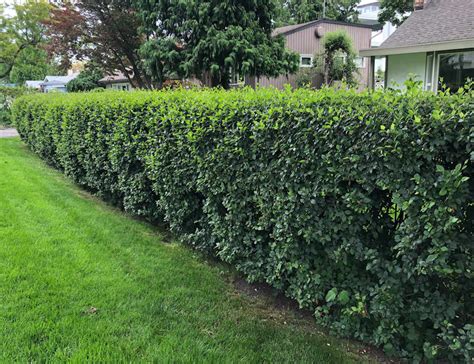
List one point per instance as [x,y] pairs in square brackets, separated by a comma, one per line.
[395,11]
[103,31]
[22,32]
[32,63]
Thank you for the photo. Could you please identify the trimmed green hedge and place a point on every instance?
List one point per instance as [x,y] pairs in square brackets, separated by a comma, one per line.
[358,205]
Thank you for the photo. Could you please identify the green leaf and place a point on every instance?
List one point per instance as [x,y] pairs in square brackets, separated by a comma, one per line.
[331,295]
[343,297]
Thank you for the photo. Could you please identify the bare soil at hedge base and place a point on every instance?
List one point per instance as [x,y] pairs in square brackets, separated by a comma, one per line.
[284,307]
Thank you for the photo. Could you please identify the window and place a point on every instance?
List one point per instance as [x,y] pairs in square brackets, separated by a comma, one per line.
[455,69]
[306,60]
[121,87]
[235,79]
[341,56]
[359,62]
[368,9]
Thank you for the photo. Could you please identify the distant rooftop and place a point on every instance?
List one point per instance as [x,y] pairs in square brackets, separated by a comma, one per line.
[115,78]
[59,79]
[33,84]
[440,21]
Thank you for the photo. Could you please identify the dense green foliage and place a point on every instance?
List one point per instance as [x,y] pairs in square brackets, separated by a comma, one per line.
[337,60]
[32,64]
[301,11]
[84,283]
[358,205]
[7,96]
[87,80]
[22,37]
[395,11]
[334,63]
[105,33]
[213,40]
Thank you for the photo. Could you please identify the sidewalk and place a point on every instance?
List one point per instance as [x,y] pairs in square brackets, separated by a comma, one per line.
[8,133]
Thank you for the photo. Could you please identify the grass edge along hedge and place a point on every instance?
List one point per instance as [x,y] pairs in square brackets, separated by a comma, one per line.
[358,205]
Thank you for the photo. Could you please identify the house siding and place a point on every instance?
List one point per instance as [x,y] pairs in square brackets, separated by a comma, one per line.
[400,66]
[119,86]
[304,41]
[55,89]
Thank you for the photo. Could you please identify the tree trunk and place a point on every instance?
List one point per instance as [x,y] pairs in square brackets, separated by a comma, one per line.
[327,66]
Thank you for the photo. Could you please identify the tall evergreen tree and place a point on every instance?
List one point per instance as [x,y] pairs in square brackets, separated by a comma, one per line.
[214,39]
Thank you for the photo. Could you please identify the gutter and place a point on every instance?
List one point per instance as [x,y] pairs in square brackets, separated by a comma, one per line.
[418,48]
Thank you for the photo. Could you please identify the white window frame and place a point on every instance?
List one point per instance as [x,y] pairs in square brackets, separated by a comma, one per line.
[430,79]
[435,69]
[362,62]
[310,56]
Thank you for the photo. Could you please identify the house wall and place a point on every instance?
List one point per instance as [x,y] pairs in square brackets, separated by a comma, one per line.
[55,89]
[399,66]
[304,42]
[119,86]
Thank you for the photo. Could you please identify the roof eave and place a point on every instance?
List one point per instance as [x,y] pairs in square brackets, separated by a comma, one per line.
[108,82]
[321,21]
[418,48]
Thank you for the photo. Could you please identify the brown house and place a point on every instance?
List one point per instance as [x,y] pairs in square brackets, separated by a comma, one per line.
[305,39]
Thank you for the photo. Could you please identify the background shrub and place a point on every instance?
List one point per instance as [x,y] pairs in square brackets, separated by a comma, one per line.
[7,96]
[358,205]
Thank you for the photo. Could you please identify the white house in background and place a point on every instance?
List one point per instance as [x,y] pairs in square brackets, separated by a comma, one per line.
[57,83]
[369,11]
[34,84]
[436,43]
[117,81]
[369,14]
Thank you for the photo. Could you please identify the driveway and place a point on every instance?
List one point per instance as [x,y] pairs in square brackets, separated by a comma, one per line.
[8,133]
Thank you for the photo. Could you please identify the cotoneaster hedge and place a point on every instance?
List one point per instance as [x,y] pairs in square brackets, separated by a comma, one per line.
[358,205]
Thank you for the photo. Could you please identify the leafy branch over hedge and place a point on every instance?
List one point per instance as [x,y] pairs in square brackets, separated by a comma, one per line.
[359,206]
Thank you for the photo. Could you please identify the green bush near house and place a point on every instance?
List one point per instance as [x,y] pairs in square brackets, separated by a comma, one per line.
[358,205]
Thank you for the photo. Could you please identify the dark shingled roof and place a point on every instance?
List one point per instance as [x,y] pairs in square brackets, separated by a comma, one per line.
[118,77]
[289,28]
[440,21]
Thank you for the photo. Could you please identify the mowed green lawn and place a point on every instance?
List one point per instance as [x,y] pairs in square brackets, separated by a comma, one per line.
[82,282]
